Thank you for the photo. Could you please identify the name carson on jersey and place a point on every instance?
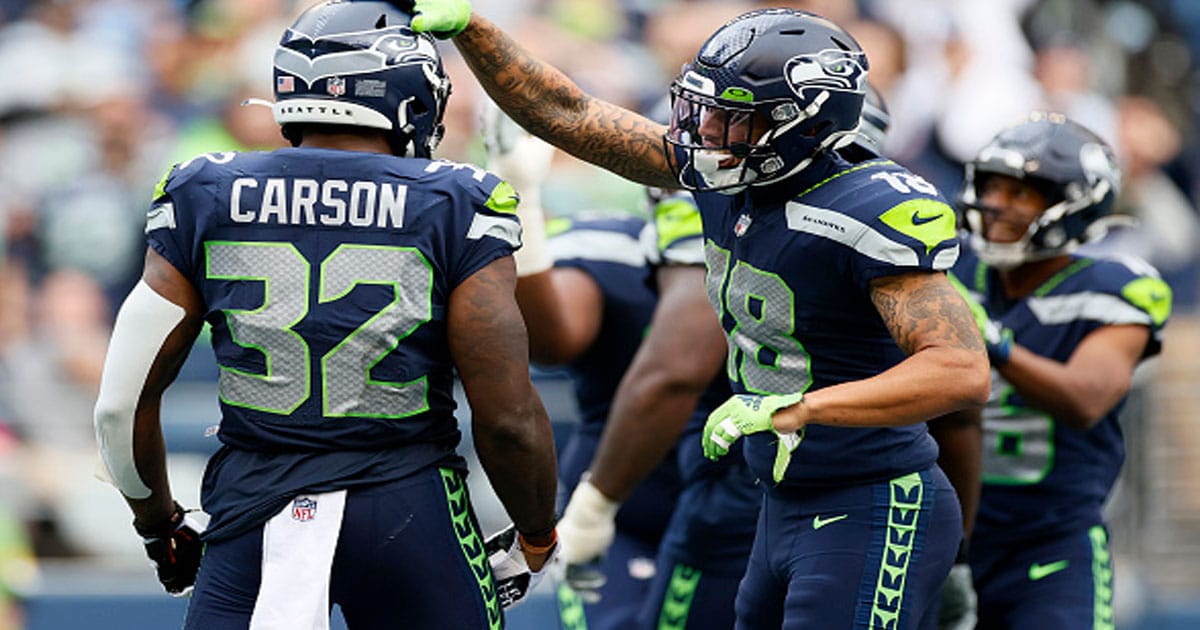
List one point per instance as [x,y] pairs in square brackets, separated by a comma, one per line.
[330,202]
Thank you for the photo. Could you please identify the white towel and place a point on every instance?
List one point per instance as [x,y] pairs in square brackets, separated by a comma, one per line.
[297,559]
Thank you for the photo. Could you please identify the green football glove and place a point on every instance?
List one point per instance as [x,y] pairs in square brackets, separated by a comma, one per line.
[442,18]
[744,414]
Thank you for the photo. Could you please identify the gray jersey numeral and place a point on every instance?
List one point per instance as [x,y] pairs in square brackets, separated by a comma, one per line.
[346,384]
[763,355]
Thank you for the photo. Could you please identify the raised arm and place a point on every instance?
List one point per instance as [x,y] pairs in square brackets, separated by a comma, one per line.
[543,100]
[946,369]
[512,432]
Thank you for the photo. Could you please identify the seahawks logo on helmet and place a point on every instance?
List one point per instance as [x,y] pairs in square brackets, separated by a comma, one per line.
[830,69]
[390,49]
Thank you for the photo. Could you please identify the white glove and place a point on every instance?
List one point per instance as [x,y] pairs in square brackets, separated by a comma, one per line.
[514,579]
[587,527]
[522,160]
[959,605]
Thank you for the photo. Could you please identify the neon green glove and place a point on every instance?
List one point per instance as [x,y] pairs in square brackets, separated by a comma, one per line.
[443,18]
[744,414]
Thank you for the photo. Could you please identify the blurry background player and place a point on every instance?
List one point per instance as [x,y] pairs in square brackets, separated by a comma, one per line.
[831,293]
[344,280]
[587,297]
[1064,335]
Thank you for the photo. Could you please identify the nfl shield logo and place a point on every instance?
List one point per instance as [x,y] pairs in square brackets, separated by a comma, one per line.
[743,224]
[336,86]
[304,509]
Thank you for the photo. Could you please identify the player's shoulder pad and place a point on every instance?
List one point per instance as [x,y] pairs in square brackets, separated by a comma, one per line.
[1137,282]
[162,207]
[907,203]
[180,174]
[495,194]
[884,211]
[678,230]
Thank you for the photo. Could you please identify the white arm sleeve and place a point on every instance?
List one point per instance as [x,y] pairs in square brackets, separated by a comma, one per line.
[143,324]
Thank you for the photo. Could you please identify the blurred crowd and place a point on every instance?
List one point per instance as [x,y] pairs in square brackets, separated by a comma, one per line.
[104,95]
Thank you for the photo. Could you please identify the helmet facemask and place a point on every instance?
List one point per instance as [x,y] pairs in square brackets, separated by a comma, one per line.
[736,138]
[1073,168]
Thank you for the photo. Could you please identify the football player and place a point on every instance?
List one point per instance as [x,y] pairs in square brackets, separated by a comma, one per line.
[1064,333]
[622,471]
[844,333]
[345,280]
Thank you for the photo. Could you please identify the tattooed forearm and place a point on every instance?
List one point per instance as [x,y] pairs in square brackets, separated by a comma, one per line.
[923,309]
[545,101]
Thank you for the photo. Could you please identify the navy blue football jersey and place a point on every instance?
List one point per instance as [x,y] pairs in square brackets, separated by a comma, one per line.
[326,277]
[1041,476]
[790,278]
[609,249]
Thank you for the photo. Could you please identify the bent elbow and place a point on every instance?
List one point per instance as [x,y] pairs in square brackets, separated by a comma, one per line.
[974,376]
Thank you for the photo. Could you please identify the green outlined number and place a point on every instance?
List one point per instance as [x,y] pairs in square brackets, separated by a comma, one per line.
[764,356]
[1018,442]
[346,384]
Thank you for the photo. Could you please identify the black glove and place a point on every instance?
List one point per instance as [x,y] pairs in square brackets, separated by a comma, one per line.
[514,579]
[174,549]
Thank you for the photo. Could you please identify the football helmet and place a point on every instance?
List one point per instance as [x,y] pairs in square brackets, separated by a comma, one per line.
[872,127]
[1071,165]
[767,93]
[359,63]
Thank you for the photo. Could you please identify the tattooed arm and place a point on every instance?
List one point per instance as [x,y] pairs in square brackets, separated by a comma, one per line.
[946,369]
[543,100]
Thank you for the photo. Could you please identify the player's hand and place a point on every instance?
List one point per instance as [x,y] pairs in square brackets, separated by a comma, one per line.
[959,606]
[510,566]
[174,549]
[999,340]
[514,155]
[586,531]
[744,414]
[441,18]
[587,526]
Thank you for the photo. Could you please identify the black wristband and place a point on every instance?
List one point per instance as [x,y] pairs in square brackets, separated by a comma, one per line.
[162,529]
[963,546]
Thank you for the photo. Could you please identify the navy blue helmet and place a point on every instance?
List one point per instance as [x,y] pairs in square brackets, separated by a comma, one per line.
[1072,166]
[767,93]
[359,63]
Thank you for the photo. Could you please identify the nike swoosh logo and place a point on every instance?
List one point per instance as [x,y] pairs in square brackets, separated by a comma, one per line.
[1039,571]
[917,219]
[819,522]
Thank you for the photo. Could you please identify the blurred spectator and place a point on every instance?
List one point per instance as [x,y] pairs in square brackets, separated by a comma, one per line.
[1167,232]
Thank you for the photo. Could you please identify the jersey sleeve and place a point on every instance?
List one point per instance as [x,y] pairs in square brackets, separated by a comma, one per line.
[1147,299]
[907,228]
[676,236]
[489,228]
[169,230]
